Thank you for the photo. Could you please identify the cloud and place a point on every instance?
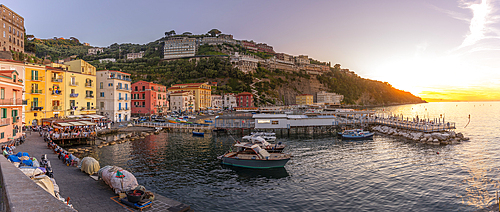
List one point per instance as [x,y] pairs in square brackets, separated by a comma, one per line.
[482,16]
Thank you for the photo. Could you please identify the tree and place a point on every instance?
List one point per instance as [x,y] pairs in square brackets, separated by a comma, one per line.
[214,32]
[170,33]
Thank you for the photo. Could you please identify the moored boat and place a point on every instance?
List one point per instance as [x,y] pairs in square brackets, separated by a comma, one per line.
[251,155]
[358,135]
[263,143]
[269,136]
[195,133]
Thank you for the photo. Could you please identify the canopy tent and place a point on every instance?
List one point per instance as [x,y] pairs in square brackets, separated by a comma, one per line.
[75,123]
[87,123]
[64,124]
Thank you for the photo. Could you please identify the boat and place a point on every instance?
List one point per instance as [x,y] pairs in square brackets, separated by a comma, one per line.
[198,133]
[172,121]
[250,155]
[209,121]
[346,132]
[270,137]
[279,147]
[358,135]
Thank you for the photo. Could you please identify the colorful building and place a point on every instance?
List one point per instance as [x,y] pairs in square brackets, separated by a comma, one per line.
[11,88]
[80,88]
[114,95]
[244,99]
[149,98]
[36,94]
[202,94]
[19,67]
[54,92]
[304,99]
[181,101]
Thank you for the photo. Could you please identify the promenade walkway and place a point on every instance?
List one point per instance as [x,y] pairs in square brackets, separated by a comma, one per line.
[86,193]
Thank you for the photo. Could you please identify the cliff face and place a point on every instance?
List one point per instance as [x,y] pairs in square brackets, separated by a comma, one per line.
[283,89]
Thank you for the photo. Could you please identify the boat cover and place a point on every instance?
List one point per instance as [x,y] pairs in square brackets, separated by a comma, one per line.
[45,182]
[90,165]
[31,171]
[118,179]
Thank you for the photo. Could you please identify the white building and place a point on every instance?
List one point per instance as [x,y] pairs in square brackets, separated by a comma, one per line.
[94,51]
[217,101]
[229,101]
[219,40]
[246,63]
[133,56]
[182,101]
[107,60]
[113,95]
[178,47]
[329,98]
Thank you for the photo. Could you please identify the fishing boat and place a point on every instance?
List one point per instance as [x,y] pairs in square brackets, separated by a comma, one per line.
[346,132]
[263,143]
[250,155]
[172,121]
[358,135]
[195,133]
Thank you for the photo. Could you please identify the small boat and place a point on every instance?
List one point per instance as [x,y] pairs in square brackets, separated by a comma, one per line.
[346,132]
[270,137]
[279,147]
[358,135]
[172,121]
[209,121]
[198,133]
[251,155]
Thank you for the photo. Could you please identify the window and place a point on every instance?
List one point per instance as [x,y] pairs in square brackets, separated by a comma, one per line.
[261,121]
[126,86]
[102,105]
[119,95]
[159,96]
[143,87]
[119,106]
[102,94]
[126,105]
[2,135]
[34,75]
[143,96]
[110,85]
[135,88]
[35,102]
[72,91]
[126,96]
[72,103]
[2,93]
[101,85]
[73,81]
[4,113]
[88,105]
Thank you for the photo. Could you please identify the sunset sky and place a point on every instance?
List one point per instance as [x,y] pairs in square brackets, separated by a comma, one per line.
[447,50]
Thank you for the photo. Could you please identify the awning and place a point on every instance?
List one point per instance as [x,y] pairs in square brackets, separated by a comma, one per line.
[75,123]
[64,124]
[87,123]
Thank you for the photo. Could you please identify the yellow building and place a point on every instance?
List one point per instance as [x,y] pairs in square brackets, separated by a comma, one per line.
[36,94]
[202,94]
[304,99]
[79,88]
[55,93]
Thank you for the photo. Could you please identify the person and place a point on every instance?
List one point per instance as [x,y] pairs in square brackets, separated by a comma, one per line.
[4,151]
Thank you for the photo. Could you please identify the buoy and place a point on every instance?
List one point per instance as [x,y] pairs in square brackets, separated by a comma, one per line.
[437,153]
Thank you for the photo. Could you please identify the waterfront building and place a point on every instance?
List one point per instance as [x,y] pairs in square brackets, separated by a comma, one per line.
[80,88]
[182,101]
[95,51]
[13,30]
[216,101]
[244,99]
[178,47]
[304,99]
[11,89]
[246,63]
[133,56]
[202,94]
[229,101]
[329,98]
[19,67]
[54,91]
[114,95]
[36,94]
[148,98]
[107,60]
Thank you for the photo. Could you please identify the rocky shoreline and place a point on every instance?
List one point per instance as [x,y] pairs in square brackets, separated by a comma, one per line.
[436,138]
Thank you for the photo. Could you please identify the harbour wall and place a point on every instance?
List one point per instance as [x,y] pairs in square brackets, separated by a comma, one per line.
[20,193]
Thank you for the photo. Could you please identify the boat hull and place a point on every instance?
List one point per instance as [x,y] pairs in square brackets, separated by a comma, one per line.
[198,133]
[255,164]
[354,137]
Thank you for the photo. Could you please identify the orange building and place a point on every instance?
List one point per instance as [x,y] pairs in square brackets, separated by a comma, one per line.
[11,103]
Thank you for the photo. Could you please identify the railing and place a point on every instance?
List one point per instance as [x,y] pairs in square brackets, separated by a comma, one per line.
[88,96]
[56,108]
[57,79]
[15,119]
[177,126]
[122,88]
[33,108]
[5,121]
[73,83]
[25,102]
[139,105]
[12,101]
[120,98]
[88,84]
[33,91]
[73,95]
[126,108]
[126,79]
[36,78]
[58,92]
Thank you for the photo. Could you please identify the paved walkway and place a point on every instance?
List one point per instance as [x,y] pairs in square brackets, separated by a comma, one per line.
[86,193]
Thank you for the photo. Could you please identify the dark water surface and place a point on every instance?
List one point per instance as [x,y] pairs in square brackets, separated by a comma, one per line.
[327,174]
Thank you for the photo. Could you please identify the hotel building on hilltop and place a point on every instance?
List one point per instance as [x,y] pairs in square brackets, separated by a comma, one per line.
[178,47]
[114,95]
[13,30]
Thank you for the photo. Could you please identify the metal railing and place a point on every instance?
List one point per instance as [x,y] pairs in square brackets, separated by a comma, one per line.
[88,84]
[34,91]
[73,83]
[73,95]
[58,92]
[5,121]
[56,108]
[11,101]
[89,96]
[177,126]
[54,79]
[122,88]
[120,98]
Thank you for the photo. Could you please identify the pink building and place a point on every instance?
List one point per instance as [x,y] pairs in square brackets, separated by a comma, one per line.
[11,103]
[148,98]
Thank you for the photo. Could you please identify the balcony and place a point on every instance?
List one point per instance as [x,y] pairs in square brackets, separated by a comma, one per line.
[122,88]
[73,95]
[114,77]
[25,102]
[12,101]
[34,91]
[139,105]
[54,79]
[15,119]
[33,108]
[87,108]
[58,92]
[4,122]
[88,85]
[73,84]
[121,98]
[36,79]
[56,108]
[89,96]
